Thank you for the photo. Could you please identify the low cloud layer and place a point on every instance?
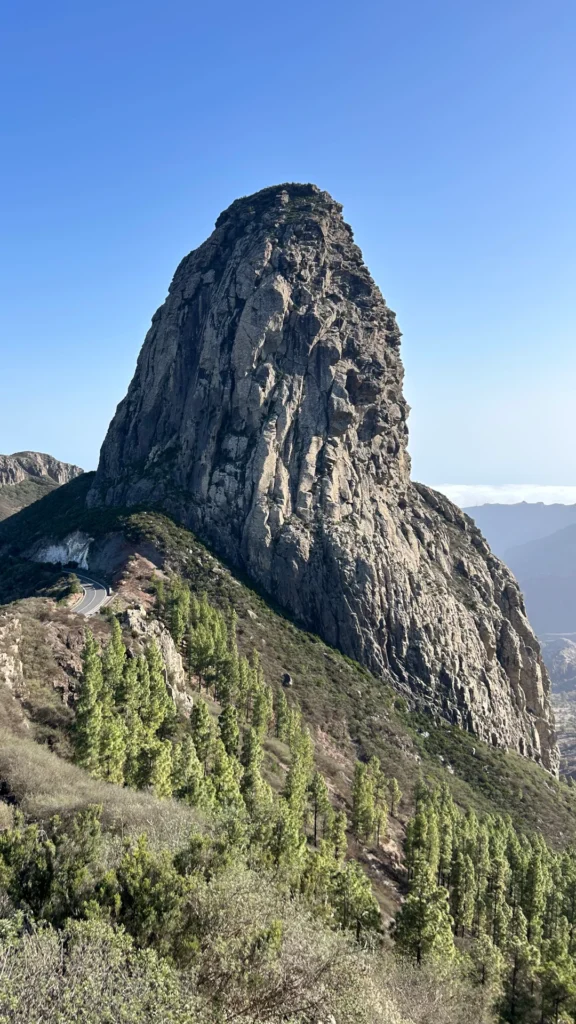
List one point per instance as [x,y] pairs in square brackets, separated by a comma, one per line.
[507,494]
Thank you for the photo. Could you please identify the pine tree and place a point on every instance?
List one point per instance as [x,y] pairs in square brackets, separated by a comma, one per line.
[255,791]
[481,860]
[112,747]
[417,845]
[319,801]
[252,754]
[244,689]
[220,639]
[534,896]
[380,795]
[558,976]
[294,724]
[299,775]
[88,724]
[229,669]
[395,796]
[568,874]
[522,962]
[157,771]
[113,662]
[353,900]
[423,927]
[282,716]
[224,778]
[229,731]
[446,816]
[433,838]
[200,647]
[363,810]
[497,909]
[487,963]
[178,609]
[202,731]
[287,844]
[160,708]
[317,879]
[262,709]
[463,887]
[134,732]
[337,835]
[187,773]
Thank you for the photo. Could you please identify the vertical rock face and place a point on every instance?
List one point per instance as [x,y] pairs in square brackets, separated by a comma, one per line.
[266,413]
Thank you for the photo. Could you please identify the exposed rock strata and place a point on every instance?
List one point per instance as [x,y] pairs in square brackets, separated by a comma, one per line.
[15,469]
[267,414]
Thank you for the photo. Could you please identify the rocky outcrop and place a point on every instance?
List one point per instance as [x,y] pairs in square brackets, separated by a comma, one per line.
[267,414]
[28,476]
[15,469]
[72,549]
[10,662]
[148,630]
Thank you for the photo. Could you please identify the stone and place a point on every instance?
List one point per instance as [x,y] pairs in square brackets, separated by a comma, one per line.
[267,414]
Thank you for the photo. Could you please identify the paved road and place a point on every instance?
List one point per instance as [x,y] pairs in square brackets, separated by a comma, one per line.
[94,596]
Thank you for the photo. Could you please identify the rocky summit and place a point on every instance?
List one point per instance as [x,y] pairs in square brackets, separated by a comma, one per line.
[267,414]
[22,466]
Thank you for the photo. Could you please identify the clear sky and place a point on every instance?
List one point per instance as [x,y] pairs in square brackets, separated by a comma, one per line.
[445,127]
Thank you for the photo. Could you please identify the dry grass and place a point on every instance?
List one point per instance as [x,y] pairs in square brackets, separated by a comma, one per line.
[42,785]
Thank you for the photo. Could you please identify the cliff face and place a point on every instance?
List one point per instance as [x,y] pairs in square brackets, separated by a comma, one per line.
[16,469]
[267,414]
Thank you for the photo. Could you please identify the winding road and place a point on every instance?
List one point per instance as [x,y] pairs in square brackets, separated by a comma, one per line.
[94,596]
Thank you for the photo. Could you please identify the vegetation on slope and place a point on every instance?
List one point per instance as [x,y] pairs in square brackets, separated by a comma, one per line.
[488,910]
[244,908]
[14,497]
[358,713]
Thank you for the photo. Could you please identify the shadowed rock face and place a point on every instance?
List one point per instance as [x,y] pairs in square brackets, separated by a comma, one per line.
[266,413]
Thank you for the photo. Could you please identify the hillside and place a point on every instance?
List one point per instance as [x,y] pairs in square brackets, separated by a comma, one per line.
[27,476]
[351,714]
[359,712]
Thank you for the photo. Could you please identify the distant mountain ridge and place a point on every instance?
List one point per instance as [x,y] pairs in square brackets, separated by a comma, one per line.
[27,476]
[538,542]
[508,526]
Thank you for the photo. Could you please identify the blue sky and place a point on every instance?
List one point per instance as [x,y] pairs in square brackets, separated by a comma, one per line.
[445,128]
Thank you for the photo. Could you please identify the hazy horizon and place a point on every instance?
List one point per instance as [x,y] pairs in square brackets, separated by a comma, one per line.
[468,495]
